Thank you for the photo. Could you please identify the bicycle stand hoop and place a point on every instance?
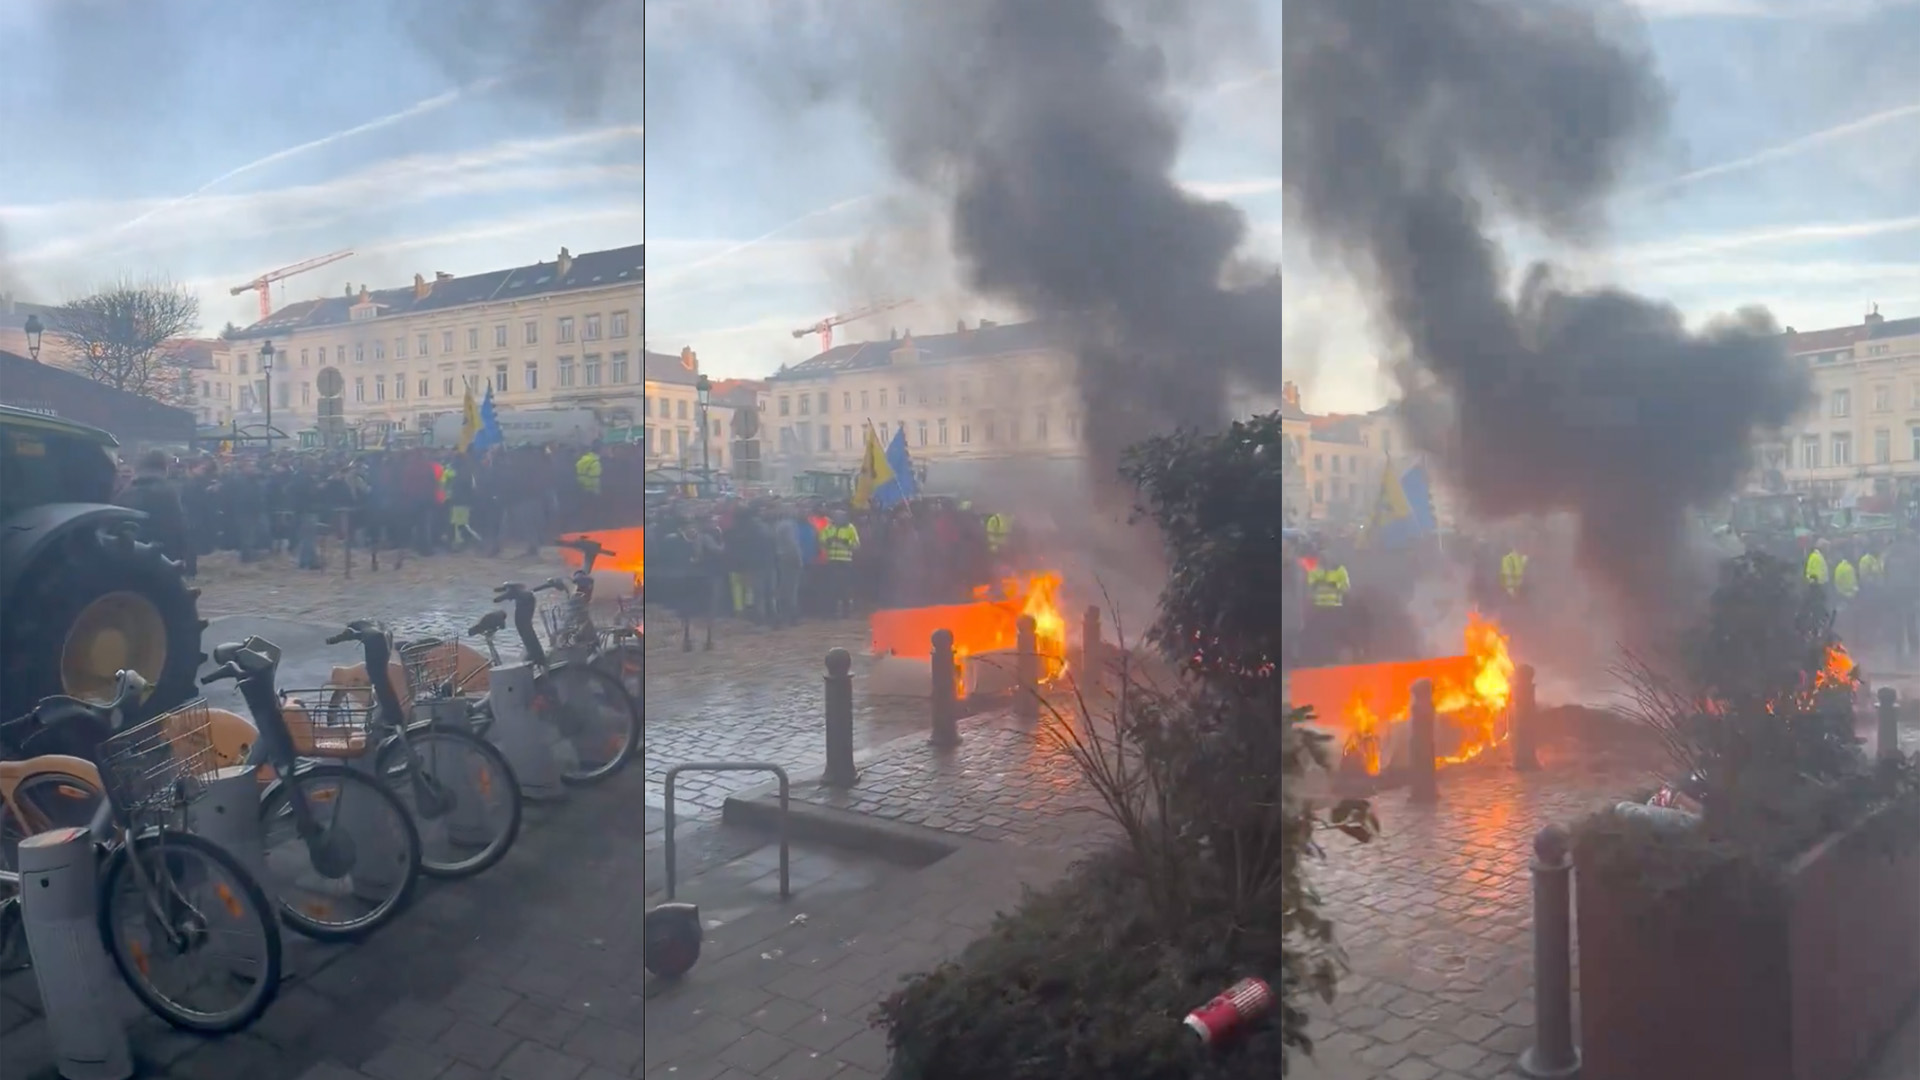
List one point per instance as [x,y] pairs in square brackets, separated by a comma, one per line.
[786,786]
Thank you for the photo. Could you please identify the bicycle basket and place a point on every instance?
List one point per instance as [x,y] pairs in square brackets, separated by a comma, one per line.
[433,669]
[331,722]
[161,764]
[566,624]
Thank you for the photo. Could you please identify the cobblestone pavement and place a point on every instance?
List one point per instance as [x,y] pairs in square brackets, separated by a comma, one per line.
[758,696]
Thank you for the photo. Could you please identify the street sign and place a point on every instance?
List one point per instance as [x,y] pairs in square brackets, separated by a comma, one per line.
[330,383]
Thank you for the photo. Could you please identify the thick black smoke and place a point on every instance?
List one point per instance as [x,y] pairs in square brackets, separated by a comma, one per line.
[1052,129]
[1407,127]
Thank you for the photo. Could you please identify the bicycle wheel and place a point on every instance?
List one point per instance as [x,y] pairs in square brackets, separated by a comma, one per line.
[188,900]
[359,869]
[598,723]
[627,661]
[464,798]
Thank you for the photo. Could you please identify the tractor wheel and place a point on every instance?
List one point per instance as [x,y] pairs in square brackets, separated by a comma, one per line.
[97,601]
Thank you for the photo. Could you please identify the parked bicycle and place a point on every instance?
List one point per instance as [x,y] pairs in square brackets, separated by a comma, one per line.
[342,853]
[165,896]
[460,788]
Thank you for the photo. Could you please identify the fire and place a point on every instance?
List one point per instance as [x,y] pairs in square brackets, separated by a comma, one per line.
[988,624]
[629,547]
[1471,693]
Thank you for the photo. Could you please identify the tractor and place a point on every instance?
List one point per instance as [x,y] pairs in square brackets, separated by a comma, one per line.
[82,596]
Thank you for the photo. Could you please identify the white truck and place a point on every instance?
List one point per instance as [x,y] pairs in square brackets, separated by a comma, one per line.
[528,427]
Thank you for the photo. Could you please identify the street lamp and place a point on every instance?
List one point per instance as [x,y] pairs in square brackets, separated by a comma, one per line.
[34,329]
[703,389]
[266,368]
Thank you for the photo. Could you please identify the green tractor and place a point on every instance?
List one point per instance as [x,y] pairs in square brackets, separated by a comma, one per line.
[81,595]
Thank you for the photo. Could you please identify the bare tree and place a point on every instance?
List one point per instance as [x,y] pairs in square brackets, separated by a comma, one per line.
[119,335]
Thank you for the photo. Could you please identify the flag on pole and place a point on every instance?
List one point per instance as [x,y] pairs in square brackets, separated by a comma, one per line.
[874,471]
[489,435]
[903,486]
[470,424]
[1404,510]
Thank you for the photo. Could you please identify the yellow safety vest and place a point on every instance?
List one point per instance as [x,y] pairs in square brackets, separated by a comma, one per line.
[1816,568]
[587,472]
[1329,587]
[1844,581]
[840,542]
[996,532]
[1513,569]
[1871,569]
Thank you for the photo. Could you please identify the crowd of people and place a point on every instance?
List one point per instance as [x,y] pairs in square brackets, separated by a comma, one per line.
[420,500]
[776,561]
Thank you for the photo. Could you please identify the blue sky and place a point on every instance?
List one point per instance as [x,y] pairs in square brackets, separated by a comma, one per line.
[209,141]
[1791,178]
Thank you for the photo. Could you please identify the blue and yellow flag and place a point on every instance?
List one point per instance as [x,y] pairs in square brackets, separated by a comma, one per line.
[470,425]
[1404,510]
[1392,504]
[874,471]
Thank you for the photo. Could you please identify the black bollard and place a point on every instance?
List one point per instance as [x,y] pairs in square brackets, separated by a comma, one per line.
[840,772]
[1521,713]
[1092,649]
[1424,782]
[1553,1056]
[1026,691]
[946,721]
[1887,742]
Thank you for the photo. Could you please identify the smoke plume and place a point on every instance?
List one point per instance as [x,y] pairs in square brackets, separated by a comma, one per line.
[1051,130]
[1407,128]
[583,58]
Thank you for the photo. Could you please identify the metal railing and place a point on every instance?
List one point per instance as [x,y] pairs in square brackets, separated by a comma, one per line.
[728,766]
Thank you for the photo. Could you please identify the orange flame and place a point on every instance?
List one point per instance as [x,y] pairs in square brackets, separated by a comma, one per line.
[629,547]
[987,624]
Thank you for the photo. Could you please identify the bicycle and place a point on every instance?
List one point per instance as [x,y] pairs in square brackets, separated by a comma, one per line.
[39,792]
[454,845]
[366,853]
[620,650]
[183,890]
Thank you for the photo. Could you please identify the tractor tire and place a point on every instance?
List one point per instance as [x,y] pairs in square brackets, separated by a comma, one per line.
[74,573]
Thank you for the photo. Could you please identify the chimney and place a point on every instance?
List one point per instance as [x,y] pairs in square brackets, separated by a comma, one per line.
[566,262]
[1290,394]
[364,294]
[985,323]
[442,275]
[420,287]
[961,328]
[1874,318]
[893,333]
[349,290]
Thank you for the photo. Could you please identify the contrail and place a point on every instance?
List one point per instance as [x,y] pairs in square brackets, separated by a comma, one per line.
[1785,150]
[747,245]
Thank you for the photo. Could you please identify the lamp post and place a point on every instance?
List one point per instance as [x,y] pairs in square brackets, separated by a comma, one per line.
[34,330]
[266,368]
[703,390]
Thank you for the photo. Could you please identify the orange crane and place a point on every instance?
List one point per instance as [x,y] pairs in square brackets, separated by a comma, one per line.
[264,283]
[825,326]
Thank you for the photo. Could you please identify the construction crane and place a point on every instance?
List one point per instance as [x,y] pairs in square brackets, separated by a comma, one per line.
[825,326]
[263,284]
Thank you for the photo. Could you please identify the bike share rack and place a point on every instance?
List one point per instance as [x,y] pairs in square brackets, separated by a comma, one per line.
[729,766]
[59,913]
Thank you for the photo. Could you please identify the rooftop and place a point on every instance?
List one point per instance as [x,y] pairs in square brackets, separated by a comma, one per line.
[972,343]
[567,273]
[672,370]
[1874,327]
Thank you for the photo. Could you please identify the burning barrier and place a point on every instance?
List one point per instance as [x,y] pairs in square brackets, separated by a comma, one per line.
[984,630]
[630,544]
[1365,706]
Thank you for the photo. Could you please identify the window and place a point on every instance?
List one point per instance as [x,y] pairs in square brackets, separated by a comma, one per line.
[1913,441]
[500,336]
[566,371]
[303,357]
[846,401]
[242,370]
[400,387]
[500,378]
[619,329]
[883,397]
[863,401]
[446,341]
[990,431]
[1842,448]
[473,339]
[420,345]
[591,365]
[943,431]
[566,329]
[306,393]
[1882,446]
[901,395]
[966,434]
[359,354]
[359,388]
[682,404]
[823,403]
[379,388]
[1883,398]
[533,375]
[1040,431]
[425,387]
[826,437]
[786,405]
[1809,451]
[339,354]
[923,395]
[591,331]
[806,404]
[1877,350]
[446,386]
[1336,463]
[846,436]
[1842,403]
[400,348]
[617,368]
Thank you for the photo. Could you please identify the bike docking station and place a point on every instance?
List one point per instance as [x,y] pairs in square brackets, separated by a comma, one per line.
[228,813]
[370,863]
[522,736]
[59,911]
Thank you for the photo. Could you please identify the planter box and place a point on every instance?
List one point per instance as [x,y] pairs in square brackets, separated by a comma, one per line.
[1805,986]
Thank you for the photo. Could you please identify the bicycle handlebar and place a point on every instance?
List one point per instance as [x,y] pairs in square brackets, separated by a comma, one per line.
[361,630]
[585,545]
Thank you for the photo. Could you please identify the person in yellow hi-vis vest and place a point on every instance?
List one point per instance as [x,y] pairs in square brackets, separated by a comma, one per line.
[1327,586]
[1513,572]
[1817,566]
[997,528]
[1846,582]
[840,540]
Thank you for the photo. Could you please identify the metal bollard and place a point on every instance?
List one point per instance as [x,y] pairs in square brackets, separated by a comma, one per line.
[1526,757]
[840,772]
[946,719]
[1026,688]
[521,736]
[229,815]
[1092,649]
[1424,780]
[1553,1056]
[59,910]
[1887,739]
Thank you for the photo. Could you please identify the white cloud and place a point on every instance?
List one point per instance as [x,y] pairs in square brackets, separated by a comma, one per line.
[1898,115]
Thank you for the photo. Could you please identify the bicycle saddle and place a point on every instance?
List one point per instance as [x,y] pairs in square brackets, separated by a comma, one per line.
[491,623]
